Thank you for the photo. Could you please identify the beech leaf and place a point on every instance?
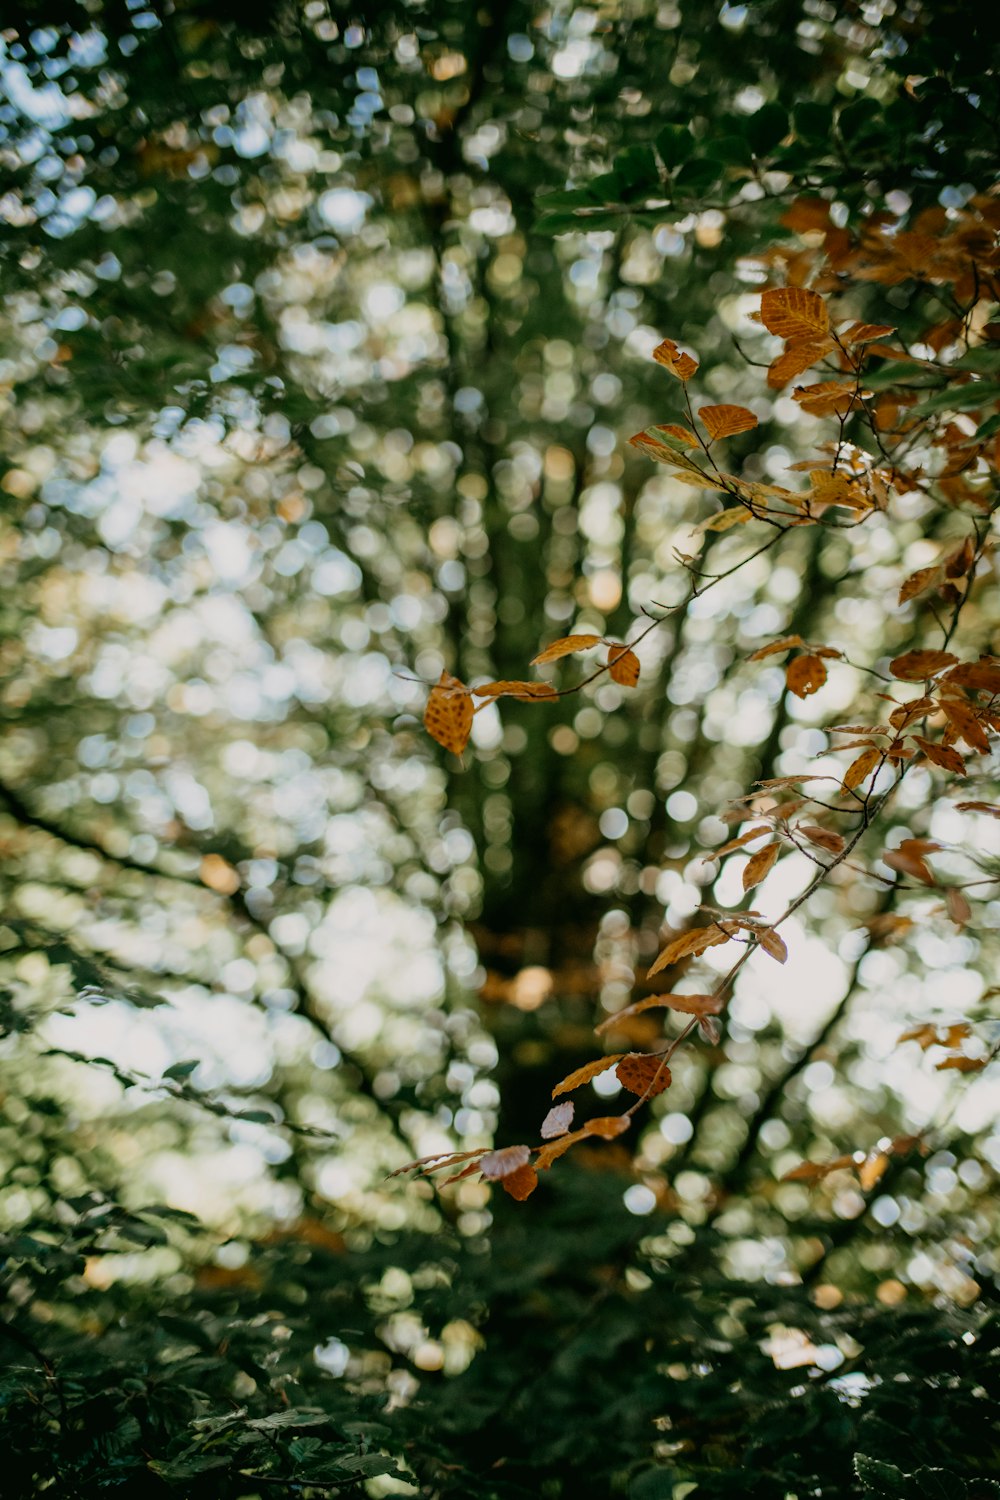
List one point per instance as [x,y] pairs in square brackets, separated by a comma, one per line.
[643,1075]
[557,1121]
[564,647]
[726,421]
[805,675]
[583,1075]
[916,666]
[448,715]
[759,865]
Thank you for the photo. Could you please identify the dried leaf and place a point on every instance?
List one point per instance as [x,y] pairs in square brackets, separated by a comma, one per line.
[941,755]
[863,333]
[682,434]
[607,1126]
[959,909]
[908,859]
[916,666]
[861,768]
[623,665]
[521,1183]
[744,838]
[785,644]
[526,692]
[448,715]
[796,358]
[643,1075]
[823,838]
[805,675]
[772,944]
[502,1163]
[980,676]
[827,398]
[759,865]
[872,1169]
[919,582]
[550,1153]
[564,647]
[692,1005]
[557,1121]
[680,365]
[963,719]
[815,1171]
[984,807]
[726,421]
[962,1063]
[792,312]
[686,946]
[583,1075]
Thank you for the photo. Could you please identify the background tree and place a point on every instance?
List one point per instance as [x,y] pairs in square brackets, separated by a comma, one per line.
[323,337]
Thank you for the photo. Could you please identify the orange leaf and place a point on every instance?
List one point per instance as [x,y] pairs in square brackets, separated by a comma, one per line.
[680,365]
[915,666]
[557,1121]
[759,865]
[623,666]
[772,944]
[692,1005]
[521,1183]
[980,676]
[796,358]
[688,944]
[682,434]
[861,768]
[726,421]
[805,675]
[550,1153]
[785,644]
[448,715]
[526,692]
[607,1126]
[502,1163]
[792,312]
[814,1171]
[586,1073]
[962,1063]
[872,1169]
[564,647]
[941,755]
[823,838]
[744,838]
[826,398]
[863,333]
[966,725]
[643,1075]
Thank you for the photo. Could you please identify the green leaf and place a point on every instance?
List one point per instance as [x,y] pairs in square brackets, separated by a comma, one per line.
[699,175]
[675,144]
[767,128]
[878,1478]
[959,398]
[181,1069]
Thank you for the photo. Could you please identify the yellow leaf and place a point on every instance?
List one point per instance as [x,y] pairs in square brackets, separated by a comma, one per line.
[583,1075]
[607,1126]
[726,421]
[863,333]
[623,665]
[643,1075]
[688,944]
[680,365]
[862,767]
[915,666]
[448,715]
[805,675]
[723,520]
[564,647]
[793,312]
[682,434]
[826,398]
[759,865]
[521,1183]
[218,874]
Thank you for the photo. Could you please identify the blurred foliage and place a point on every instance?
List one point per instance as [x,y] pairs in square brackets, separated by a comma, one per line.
[322,334]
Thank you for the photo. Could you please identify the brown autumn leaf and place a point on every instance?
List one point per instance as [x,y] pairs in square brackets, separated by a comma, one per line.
[815,1171]
[958,906]
[744,838]
[785,644]
[860,769]
[963,719]
[520,1183]
[686,946]
[759,865]
[219,875]
[448,715]
[526,692]
[980,676]
[680,365]
[863,333]
[823,838]
[623,665]
[827,398]
[919,582]
[607,1126]
[497,1164]
[941,755]
[565,646]
[772,944]
[963,1064]
[692,1005]
[583,1075]
[908,859]
[793,312]
[643,1075]
[960,562]
[726,421]
[984,807]
[557,1121]
[682,434]
[916,666]
[805,675]
[795,359]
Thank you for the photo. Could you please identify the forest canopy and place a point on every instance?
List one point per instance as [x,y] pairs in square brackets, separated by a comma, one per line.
[499,683]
